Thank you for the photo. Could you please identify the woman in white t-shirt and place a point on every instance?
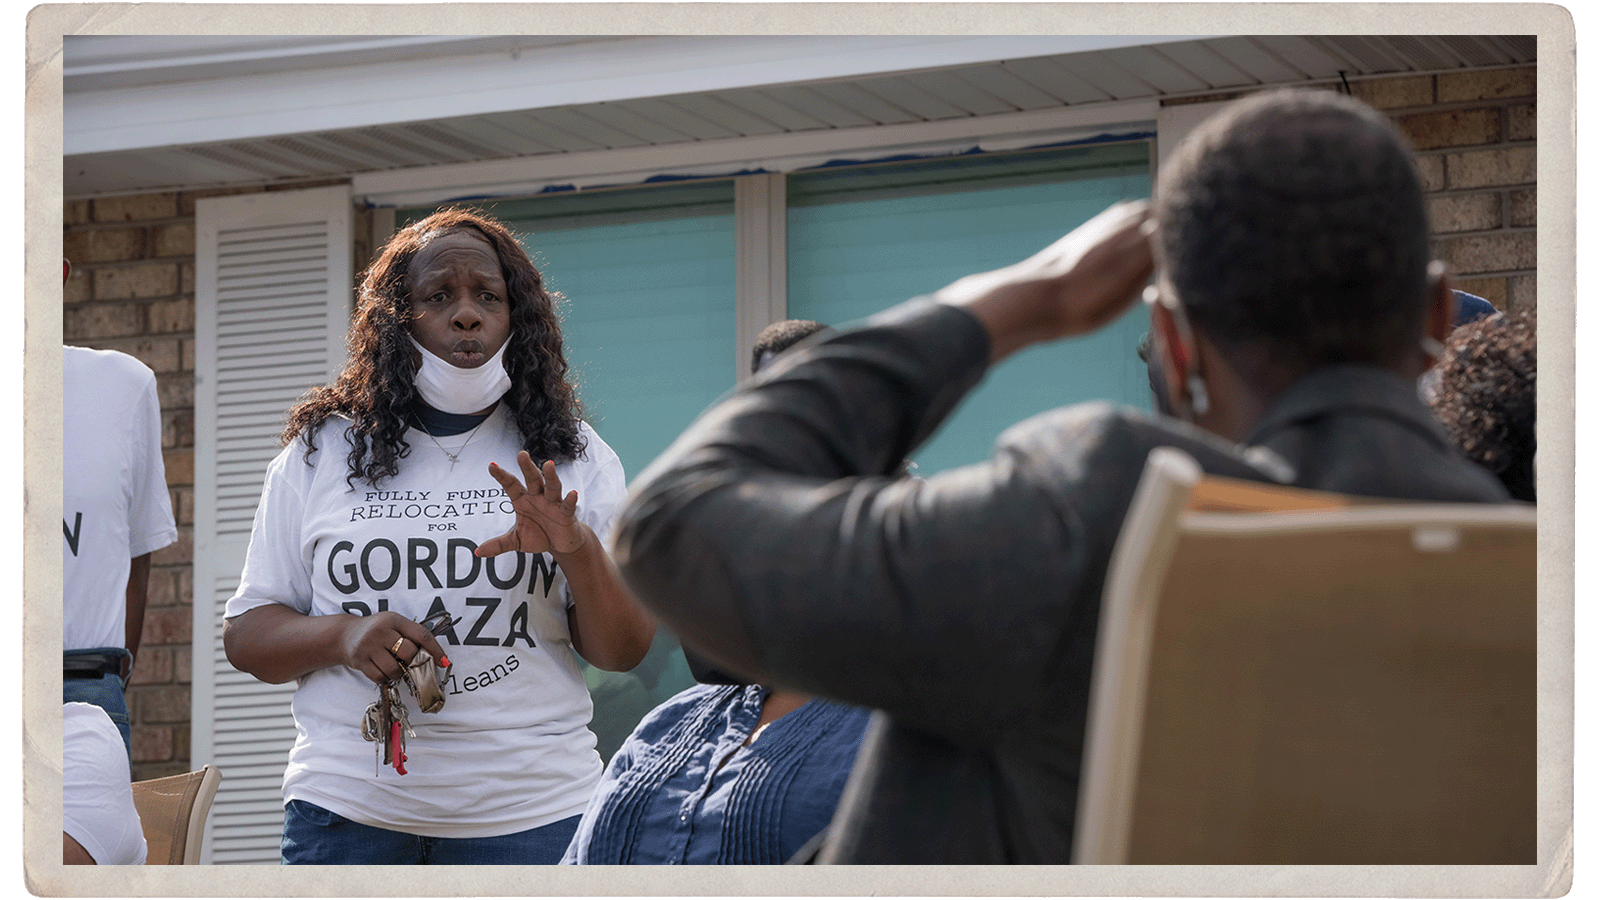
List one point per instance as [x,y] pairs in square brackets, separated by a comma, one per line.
[428,478]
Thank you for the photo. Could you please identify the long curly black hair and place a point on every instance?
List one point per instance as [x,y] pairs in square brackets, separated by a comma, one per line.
[376,389]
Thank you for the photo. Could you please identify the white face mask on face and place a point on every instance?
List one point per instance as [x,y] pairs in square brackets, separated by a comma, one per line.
[453,389]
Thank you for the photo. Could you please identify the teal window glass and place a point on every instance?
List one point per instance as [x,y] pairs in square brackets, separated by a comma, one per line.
[862,238]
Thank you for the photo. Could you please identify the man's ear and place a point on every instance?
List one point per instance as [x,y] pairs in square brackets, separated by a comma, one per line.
[1176,355]
[1441,302]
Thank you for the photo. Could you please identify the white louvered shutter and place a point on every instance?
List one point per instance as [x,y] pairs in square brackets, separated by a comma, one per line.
[272,292]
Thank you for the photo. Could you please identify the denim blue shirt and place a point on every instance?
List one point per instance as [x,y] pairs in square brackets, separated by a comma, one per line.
[663,799]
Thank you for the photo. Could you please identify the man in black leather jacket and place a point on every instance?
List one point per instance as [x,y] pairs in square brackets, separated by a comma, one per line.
[1292,313]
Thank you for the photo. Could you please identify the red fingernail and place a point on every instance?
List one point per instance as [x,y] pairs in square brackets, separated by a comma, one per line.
[445,660]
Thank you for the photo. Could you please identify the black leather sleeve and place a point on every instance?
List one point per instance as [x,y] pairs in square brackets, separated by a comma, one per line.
[773,538]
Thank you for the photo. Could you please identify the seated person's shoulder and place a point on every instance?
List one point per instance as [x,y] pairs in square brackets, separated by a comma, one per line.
[684,713]
[97,796]
[1100,439]
[87,733]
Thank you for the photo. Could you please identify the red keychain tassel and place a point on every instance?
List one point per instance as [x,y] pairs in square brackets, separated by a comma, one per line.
[399,752]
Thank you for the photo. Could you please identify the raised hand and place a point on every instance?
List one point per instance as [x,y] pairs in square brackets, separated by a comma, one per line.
[545,520]
[1077,284]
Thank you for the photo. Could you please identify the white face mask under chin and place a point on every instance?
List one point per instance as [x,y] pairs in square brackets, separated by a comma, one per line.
[453,389]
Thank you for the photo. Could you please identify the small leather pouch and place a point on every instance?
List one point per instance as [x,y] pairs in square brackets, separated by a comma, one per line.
[422,675]
[426,681]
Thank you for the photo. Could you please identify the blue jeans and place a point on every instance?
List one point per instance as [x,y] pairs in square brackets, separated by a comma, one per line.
[315,836]
[105,692]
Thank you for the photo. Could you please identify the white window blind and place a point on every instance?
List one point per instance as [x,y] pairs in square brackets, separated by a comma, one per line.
[272,294]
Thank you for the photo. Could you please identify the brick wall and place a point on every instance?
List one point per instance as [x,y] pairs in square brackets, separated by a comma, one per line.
[1475,142]
[1474,137]
[132,289]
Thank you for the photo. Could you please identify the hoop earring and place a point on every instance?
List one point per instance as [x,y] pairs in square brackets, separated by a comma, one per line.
[1199,400]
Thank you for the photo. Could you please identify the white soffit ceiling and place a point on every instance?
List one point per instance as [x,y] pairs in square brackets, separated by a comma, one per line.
[151,113]
[262,90]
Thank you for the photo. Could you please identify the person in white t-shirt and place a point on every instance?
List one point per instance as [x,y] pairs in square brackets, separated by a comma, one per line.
[116,512]
[446,470]
[99,823]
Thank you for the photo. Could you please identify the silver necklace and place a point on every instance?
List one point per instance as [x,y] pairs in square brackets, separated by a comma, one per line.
[456,456]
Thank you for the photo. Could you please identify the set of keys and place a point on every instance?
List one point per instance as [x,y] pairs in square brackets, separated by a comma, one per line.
[387,723]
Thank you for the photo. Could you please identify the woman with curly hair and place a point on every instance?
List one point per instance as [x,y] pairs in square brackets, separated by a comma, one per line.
[389,507]
[1485,396]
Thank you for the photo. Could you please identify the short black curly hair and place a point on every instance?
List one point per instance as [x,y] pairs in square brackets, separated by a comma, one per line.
[780,336]
[1292,228]
[1485,396]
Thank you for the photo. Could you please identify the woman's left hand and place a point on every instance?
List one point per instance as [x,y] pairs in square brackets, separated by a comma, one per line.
[608,627]
[545,520]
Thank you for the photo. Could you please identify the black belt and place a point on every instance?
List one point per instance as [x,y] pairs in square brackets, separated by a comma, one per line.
[79,664]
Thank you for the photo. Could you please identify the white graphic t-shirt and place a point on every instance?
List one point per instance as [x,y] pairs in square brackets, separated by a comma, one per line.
[511,749]
[114,499]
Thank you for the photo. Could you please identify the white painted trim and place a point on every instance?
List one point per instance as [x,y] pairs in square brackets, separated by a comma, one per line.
[96,61]
[777,153]
[337,95]
[760,211]
[1173,124]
